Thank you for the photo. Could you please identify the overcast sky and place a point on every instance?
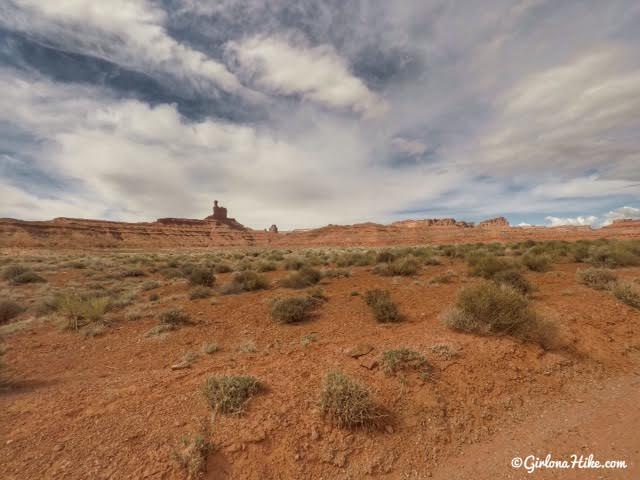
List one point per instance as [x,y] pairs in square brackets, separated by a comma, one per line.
[303,113]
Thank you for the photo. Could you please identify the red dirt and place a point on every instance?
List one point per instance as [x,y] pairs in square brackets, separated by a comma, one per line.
[111,407]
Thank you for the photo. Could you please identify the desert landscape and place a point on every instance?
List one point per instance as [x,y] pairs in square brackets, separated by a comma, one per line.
[260,360]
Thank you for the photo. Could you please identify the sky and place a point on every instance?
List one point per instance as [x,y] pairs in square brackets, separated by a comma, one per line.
[304,113]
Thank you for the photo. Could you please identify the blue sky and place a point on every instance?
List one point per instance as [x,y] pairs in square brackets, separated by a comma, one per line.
[304,113]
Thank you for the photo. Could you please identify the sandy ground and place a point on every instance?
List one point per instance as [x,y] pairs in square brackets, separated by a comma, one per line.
[111,407]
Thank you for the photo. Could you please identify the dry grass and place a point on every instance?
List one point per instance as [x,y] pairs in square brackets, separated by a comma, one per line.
[229,394]
[346,403]
[514,279]
[293,309]
[80,311]
[192,456]
[302,278]
[395,360]
[9,310]
[384,310]
[246,281]
[598,278]
[627,293]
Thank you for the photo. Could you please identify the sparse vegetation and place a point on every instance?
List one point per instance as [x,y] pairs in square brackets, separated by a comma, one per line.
[487,266]
[210,348]
[202,277]
[492,309]
[200,292]
[384,310]
[346,403]
[537,262]
[627,293]
[175,317]
[598,278]
[81,311]
[395,360]
[514,279]
[192,456]
[229,394]
[246,281]
[293,309]
[442,278]
[405,266]
[302,278]
[9,310]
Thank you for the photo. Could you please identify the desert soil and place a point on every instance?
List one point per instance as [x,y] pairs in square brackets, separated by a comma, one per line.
[111,407]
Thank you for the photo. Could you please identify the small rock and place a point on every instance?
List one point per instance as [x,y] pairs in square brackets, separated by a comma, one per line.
[181,365]
[359,350]
[58,447]
[369,363]
[315,435]
[389,429]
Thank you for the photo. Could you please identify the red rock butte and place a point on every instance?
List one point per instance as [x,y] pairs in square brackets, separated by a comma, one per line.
[219,230]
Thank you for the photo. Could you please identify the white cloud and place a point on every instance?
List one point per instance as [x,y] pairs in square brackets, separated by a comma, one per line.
[523,224]
[317,73]
[131,33]
[410,147]
[576,221]
[622,213]
[591,186]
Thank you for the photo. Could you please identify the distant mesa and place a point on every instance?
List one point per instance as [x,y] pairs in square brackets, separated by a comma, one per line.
[494,222]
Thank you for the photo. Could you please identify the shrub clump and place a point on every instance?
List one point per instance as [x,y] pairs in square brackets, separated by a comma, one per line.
[627,293]
[12,271]
[492,309]
[246,281]
[174,317]
[9,310]
[81,311]
[598,278]
[303,278]
[402,359]
[294,309]
[230,393]
[405,267]
[384,310]
[536,262]
[514,279]
[487,266]
[199,292]
[346,403]
[202,277]
[19,275]
[613,255]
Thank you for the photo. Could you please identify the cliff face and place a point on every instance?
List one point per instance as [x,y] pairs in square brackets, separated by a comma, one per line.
[187,233]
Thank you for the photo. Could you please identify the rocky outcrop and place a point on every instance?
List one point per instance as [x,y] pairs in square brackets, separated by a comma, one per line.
[227,232]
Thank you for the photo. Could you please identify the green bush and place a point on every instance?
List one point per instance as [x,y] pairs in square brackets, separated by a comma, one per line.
[514,279]
[294,263]
[266,267]
[627,293]
[385,256]
[486,266]
[174,317]
[336,273]
[202,276]
[247,281]
[81,311]
[199,292]
[405,266]
[293,309]
[303,278]
[346,403]
[613,255]
[222,268]
[229,394]
[491,309]
[537,262]
[598,278]
[384,310]
[9,310]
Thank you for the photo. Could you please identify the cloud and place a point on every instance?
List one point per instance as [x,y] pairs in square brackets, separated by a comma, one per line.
[316,73]
[622,213]
[577,221]
[412,148]
[131,33]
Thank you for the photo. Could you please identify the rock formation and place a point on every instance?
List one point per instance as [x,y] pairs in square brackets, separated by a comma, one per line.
[219,230]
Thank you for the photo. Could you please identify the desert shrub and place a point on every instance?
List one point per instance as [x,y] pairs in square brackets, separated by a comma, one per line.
[580,251]
[536,262]
[404,266]
[154,297]
[171,272]
[294,263]
[9,310]
[266,267]
[174,317]
[613,255]
[431,261]
[229,394]
[598,278]
[305,277]
[210,348]
[199,292]
[385,256]
[358,259]
[202,276]
[149,285]
[336,273]
[401,359]
[446,277]
[12,271]
[317,293]
[192,456]
[486,266]
[514,279]
[245,282]
[222,268]
[492,309]
[134,272]
[627,293]
[384,310]
[293,309]
[346,403]
[27,277]
[81,311]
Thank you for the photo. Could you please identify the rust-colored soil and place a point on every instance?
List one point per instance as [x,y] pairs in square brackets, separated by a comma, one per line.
[111,407]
